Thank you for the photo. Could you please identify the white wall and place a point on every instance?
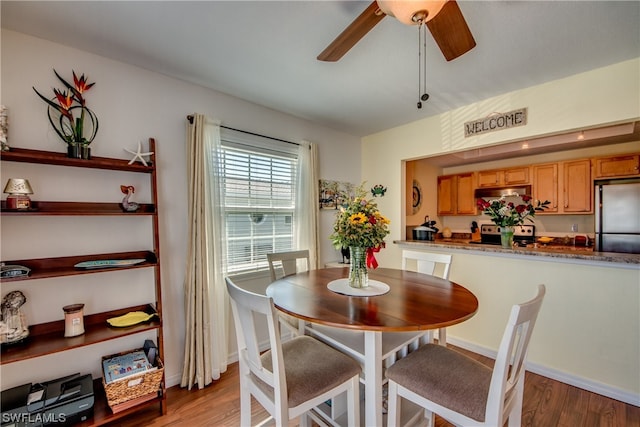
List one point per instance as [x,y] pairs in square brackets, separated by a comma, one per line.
[132,104]
[589,328]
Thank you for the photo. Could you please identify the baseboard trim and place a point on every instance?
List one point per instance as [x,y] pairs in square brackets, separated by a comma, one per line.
[573,380]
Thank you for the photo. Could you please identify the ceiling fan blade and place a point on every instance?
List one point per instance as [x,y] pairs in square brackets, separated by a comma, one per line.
[352,34]
[450,31]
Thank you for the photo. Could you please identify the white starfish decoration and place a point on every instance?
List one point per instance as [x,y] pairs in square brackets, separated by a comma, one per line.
[138,154]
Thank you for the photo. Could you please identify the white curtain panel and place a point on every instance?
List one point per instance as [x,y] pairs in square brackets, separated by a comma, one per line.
[206,300]
[307,200]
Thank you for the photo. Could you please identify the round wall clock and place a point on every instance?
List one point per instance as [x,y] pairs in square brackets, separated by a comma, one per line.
[417,197]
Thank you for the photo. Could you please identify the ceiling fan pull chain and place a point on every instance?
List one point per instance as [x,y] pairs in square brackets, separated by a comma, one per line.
[425,95]
[419,64]
[422,64]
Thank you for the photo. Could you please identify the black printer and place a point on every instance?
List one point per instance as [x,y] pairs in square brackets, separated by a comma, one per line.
[63,401]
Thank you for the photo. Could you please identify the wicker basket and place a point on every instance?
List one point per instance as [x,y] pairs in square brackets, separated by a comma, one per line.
[134,386]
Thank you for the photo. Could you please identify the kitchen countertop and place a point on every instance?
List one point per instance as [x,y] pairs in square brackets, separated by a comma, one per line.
[558,252]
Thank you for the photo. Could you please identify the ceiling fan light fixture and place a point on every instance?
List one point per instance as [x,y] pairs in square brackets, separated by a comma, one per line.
[411,12]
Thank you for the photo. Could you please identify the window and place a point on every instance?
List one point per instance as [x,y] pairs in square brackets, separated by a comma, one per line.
[258,189]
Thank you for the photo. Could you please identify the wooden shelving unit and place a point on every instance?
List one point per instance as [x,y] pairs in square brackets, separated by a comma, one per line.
[48,338]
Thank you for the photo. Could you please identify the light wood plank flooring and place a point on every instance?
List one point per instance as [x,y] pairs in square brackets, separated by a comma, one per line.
[547,403]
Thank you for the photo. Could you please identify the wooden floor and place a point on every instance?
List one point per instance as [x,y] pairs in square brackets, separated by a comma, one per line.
[547,403]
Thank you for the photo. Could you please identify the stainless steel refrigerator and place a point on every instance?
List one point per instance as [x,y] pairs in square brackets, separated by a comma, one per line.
[618,216]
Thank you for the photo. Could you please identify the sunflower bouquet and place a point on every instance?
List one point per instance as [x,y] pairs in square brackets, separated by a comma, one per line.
[359,224]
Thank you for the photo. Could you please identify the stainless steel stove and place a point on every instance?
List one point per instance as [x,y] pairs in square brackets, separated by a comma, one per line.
[522,234]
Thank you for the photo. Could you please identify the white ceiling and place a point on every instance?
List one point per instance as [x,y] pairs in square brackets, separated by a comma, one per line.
[265,51]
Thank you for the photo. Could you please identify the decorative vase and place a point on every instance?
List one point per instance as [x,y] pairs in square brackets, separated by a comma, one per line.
[506,237]
[358,275]
[79,151]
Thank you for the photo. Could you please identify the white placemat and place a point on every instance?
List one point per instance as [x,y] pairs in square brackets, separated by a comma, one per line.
[341,286]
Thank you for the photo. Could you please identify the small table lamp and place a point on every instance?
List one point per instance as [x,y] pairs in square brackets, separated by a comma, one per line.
[18,190]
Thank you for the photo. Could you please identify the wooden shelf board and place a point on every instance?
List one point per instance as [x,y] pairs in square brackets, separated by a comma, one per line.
[102,413]
[77,208]
[42,268]
[48,338]
[54,158]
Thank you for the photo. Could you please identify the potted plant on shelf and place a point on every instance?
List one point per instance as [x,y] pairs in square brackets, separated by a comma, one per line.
[70,117]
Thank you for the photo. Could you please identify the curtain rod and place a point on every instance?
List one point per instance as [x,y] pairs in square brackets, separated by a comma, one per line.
[190,118]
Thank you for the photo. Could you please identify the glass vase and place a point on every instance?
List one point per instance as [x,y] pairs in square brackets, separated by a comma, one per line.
[506,237]
[358,275]
[79,151]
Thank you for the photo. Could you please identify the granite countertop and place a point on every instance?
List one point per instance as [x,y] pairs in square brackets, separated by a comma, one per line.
[552,251]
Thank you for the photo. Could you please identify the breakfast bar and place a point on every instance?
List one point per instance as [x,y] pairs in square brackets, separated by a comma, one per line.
[566,254]
[593,302]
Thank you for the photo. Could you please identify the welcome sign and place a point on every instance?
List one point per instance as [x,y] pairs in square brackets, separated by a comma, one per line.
[496,121]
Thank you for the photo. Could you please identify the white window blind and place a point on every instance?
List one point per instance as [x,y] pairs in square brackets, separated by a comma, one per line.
[258,193]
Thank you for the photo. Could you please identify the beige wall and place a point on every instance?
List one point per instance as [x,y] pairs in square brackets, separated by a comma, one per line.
[425,174]
[132,104]
[590,309]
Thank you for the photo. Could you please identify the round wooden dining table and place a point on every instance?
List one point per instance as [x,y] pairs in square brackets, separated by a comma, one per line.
[415,302]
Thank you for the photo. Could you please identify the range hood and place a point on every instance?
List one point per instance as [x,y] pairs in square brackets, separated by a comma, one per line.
[482,193]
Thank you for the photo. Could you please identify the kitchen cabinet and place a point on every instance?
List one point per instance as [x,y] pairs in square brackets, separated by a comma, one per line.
[545,185]
[567,185]
[503,177]
[48,338]
[455,194]
[577,187]
[616,167]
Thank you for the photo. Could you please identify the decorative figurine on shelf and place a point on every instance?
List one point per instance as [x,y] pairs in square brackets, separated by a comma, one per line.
[138,154]
[4,128]
[126,204]
[13,324]
[378,190]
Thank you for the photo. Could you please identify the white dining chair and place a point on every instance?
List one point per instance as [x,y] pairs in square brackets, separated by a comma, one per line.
[283,264]
[289,379]
[461,389]
[434,264]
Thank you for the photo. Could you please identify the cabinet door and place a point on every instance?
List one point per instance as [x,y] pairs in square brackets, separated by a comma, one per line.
[545,186]
[619,166]
[465,186]
[489,178]
[516,176]
[446,195]
[577,186]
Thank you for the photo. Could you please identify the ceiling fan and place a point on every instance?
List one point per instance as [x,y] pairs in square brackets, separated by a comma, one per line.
[443,18]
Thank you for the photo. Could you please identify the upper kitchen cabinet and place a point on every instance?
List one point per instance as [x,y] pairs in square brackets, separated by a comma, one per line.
[577,187]
[455,194]
[616,167]
[567,185]
[545,185]
[503,177]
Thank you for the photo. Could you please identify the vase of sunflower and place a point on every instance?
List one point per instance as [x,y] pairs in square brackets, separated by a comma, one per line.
[362,228]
